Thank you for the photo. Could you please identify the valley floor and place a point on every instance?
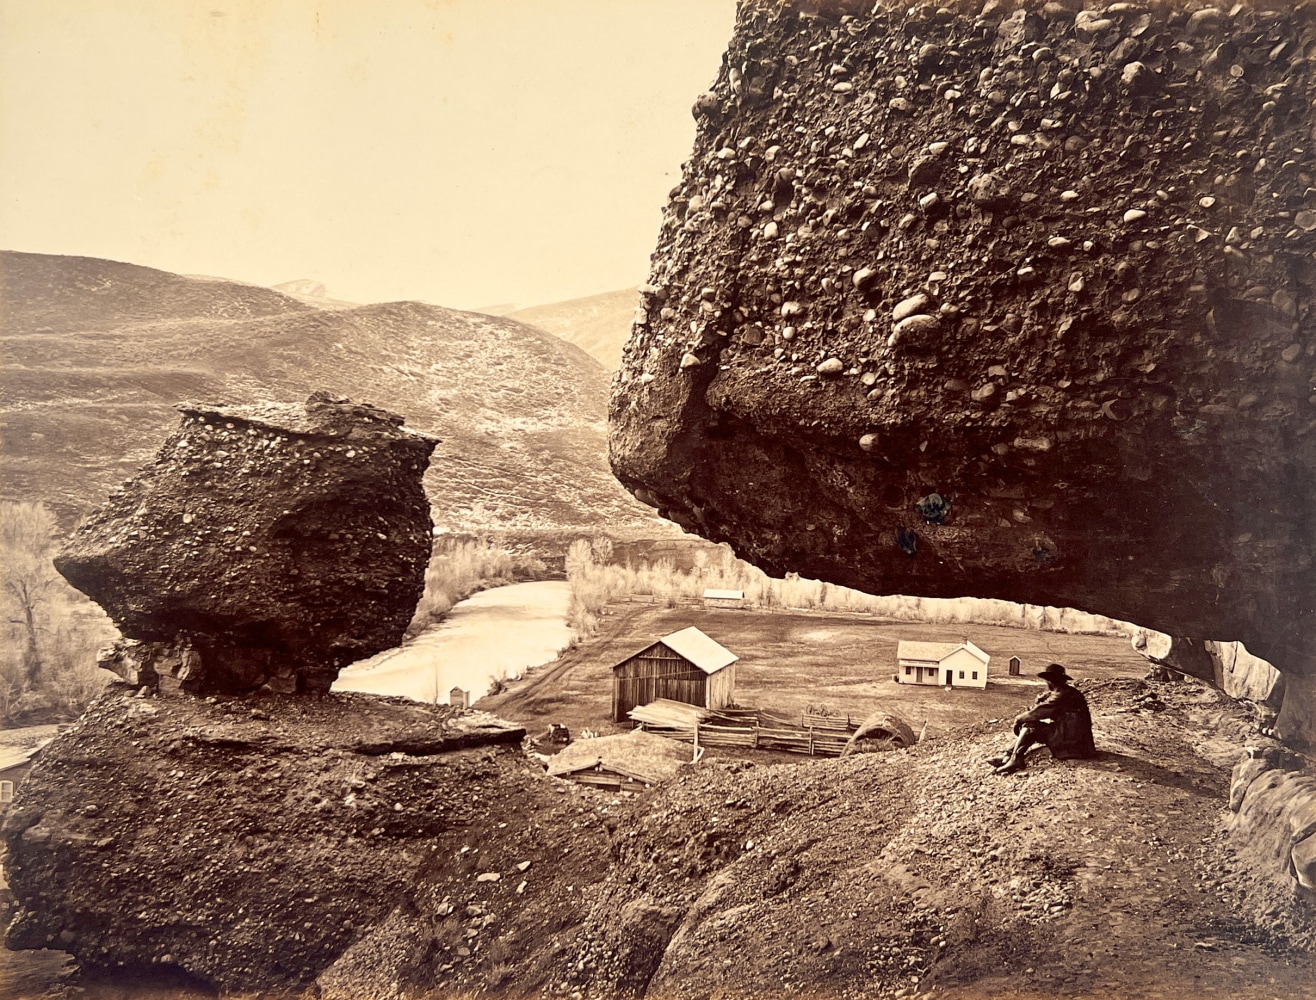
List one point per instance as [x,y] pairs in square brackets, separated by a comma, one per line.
[790,660]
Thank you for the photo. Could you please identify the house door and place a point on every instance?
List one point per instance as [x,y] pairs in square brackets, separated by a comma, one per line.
[949,676]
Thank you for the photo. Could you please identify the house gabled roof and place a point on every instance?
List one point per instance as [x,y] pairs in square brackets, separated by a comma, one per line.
[707,654]
[935,652]
[11,757]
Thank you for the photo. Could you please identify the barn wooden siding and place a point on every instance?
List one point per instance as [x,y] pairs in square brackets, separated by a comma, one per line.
[658,672]
[722,688]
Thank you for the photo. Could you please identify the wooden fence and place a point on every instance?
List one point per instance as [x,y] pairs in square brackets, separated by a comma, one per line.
[814,735]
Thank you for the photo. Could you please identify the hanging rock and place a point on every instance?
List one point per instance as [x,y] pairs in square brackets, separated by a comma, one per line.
[1157,415]
[266,544]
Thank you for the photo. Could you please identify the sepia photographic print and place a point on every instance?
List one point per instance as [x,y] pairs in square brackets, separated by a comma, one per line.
[667,499]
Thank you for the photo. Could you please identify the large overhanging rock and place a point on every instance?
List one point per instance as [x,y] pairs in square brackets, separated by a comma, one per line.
[281,542]
[999,300]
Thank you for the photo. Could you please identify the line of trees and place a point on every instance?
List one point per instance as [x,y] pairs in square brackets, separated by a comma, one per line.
[595,581]
[459,568]
[51,631]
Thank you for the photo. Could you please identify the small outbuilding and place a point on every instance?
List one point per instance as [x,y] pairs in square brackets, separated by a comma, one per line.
[629,761]
[15,762]
[953,664]
[686,666]
[1016,666]
[724,598]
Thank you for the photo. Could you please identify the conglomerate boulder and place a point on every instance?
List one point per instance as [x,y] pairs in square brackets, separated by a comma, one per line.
[1003,299]
[266,544]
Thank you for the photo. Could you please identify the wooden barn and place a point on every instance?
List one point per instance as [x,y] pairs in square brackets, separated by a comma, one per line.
[685,666]
[15,762]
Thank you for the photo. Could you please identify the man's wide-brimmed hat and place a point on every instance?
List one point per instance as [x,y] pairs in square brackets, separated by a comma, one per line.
[1053,672]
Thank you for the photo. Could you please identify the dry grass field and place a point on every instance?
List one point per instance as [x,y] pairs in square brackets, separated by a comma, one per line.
[790,660]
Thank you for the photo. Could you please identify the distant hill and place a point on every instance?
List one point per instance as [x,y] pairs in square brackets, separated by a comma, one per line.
[312,293]
[96,353]
[599,324]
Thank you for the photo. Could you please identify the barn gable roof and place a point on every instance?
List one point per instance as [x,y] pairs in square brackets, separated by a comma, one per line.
[707,654]
[935,652]
[11,757]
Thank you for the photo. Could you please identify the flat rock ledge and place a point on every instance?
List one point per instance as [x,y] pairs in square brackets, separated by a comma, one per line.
[244,842]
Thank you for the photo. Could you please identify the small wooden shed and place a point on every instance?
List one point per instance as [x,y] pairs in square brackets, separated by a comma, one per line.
[685,666]
[1016,666]
[629,761]
[724,598]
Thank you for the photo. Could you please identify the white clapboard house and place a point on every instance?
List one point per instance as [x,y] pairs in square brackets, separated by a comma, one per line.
[948,664]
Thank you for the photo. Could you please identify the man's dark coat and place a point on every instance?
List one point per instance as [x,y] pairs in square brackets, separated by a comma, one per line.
[1062,721]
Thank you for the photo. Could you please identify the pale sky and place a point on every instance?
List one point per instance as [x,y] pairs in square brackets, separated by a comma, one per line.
[463,152]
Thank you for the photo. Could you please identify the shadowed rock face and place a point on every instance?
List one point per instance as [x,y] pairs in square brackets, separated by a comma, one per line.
[1054,266]
[283,541]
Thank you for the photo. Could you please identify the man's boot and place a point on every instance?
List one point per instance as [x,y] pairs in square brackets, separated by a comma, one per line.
[1015,763]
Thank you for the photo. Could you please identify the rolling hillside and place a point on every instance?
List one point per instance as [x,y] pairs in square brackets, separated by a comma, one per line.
[598,324]
[96,353]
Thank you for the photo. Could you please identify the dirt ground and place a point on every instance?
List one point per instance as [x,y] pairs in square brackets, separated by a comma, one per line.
[919,871]
[879,876]
[792,659]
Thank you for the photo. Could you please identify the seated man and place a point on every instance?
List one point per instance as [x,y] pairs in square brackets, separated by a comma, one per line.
[1060,720]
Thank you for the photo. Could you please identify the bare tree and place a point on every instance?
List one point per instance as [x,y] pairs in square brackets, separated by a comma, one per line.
[27,533]
[47,658]
[580,557]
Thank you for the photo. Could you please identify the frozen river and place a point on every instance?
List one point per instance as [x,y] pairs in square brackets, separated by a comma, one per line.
[498,633]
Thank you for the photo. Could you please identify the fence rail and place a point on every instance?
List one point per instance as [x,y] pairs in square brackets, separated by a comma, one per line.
[815,742]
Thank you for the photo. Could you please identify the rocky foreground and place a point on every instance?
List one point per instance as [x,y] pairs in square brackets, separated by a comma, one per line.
[376,848]
[1009,299]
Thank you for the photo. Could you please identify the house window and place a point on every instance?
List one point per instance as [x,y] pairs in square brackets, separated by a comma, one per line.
[975,675]
[6,791]
[909,671]
[962,675]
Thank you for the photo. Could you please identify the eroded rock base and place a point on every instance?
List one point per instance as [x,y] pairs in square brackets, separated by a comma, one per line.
[268,843]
